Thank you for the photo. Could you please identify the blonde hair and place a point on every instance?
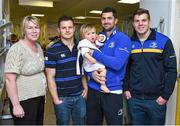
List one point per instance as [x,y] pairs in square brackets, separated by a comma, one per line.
[85,28]
[27,19]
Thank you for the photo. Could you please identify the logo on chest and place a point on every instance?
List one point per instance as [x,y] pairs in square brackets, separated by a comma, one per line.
[111,45]
[133,46]
[153,45]
[62,55]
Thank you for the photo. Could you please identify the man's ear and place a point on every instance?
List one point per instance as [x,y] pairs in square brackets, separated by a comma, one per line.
[58,30]
[74,28]
[116,21]
[132,23]
[149,23]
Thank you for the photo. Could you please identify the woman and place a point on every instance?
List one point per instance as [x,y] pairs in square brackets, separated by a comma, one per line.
[25,79]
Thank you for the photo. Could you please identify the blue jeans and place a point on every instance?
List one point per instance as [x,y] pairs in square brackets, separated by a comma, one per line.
[74,107]
[146,112]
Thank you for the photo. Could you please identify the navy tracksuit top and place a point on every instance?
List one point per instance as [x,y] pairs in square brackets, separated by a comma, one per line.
[152,67]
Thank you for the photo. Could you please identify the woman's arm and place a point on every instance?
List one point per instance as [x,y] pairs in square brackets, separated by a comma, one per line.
[13,94]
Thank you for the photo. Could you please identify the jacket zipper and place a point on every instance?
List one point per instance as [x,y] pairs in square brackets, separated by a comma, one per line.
[142,44]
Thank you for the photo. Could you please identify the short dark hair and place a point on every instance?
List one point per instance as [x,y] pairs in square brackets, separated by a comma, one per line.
[109,9]
[65,18]
[141,11]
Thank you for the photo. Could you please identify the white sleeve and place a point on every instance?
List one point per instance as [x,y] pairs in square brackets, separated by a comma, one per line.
[85,50]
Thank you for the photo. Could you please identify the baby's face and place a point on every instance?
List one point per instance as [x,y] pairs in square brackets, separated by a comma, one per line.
[90,35]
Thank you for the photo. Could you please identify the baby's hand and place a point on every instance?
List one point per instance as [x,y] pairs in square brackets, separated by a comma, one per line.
[101,73]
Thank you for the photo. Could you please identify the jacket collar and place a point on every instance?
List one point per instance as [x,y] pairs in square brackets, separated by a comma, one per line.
[114,31]
[152,35]
[75,42]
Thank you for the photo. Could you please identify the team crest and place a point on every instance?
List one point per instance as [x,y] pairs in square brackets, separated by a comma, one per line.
[133,46]
[46,58]
[153,45]
[63,55]
[111,45]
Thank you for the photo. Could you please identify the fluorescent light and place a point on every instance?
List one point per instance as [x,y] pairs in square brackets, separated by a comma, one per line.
[80,17]
[38,3]
[91,17]
[95,11]
[38,15]
[128,1]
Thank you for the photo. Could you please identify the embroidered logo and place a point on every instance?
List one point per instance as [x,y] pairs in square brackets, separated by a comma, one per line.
[120,112]
[46,58]
[63,55]
[153,45]
[133,46]
[111,45]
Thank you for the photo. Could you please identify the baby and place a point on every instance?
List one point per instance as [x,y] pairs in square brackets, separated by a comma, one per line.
[90,41]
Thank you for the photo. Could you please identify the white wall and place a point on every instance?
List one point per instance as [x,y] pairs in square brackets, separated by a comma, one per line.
[158,9]
[170,11]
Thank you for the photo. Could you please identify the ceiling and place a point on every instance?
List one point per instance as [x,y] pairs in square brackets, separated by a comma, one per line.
[71,8]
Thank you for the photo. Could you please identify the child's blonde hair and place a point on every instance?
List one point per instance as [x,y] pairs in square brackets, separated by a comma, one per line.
[85,28]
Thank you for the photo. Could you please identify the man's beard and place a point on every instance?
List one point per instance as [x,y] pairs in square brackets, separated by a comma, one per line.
[109,29]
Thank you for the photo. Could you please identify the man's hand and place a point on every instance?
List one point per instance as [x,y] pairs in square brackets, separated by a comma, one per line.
[84,93]
[127,94]
[161,101]
[98,77]
[58,102]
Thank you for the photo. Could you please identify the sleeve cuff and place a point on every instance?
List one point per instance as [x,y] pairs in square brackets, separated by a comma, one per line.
[165,96]
[12,71]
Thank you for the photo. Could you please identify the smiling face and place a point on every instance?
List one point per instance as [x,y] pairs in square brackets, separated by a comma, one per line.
[30,28]
[31,31]
[66,29]
[141,24]
[108,21]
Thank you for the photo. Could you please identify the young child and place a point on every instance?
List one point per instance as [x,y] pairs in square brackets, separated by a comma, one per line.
[85,47]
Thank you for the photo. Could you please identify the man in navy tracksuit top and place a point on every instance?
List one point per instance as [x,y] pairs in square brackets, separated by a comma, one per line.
[114,55]
[151,73]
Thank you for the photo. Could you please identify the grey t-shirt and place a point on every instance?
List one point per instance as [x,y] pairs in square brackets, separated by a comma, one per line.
[29,67]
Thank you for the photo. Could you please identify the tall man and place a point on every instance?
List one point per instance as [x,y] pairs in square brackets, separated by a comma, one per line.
[151,73]
[114,55]
[64,85]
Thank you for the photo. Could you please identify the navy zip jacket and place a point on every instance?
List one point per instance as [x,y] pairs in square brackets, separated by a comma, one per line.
[152,68]
[114,55]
